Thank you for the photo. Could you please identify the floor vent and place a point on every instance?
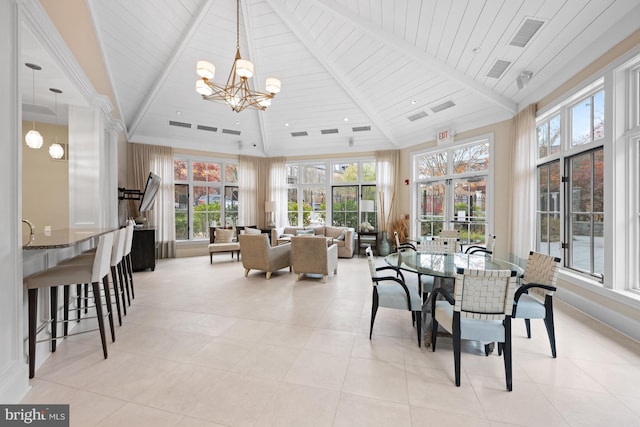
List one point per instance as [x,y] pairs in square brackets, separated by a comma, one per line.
[498,68]
[208,128]
[526,32]
[303,133]
[417,116]
[231,132]
[328,131]
[180,124]
[444,106]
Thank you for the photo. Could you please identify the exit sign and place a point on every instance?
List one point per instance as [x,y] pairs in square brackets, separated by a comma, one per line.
[444,137]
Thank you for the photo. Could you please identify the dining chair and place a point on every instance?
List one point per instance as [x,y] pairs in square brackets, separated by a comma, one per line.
[425,281]
[487,249]
[392,292]
[480,309]
[534,297]
[404,245]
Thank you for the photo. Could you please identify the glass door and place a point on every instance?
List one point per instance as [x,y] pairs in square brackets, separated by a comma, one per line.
[432,207]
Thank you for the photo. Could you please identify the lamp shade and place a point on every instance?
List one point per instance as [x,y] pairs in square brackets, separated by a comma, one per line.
[367,206]
[205,69]
[270,206]
[203,88]
[244,68]
[33,139]
[272,85]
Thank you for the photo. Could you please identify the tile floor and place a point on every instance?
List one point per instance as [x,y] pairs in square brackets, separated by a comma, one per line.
[204,346]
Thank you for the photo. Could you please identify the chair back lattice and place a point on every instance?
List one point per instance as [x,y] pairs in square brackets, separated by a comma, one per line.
[541,269]
[372,264]
[435,246]
[484,294]
[450,233]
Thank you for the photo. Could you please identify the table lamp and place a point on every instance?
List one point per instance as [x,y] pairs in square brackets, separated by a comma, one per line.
[270,208]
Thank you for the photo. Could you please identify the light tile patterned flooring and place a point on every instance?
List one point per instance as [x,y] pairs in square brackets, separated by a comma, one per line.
[204,346]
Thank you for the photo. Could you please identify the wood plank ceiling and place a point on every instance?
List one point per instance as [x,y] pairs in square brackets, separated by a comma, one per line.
[361,67]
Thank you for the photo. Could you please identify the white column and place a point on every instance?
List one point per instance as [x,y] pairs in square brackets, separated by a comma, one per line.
[13,368]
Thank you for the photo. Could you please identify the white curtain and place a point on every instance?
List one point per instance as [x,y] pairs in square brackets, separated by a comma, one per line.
[387,164]
[277,189]
[159,160]
[247,183]
[522,209]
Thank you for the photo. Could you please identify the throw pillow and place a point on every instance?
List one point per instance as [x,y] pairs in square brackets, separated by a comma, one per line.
[342,235]
[248,230]
[223,236]
[305,232]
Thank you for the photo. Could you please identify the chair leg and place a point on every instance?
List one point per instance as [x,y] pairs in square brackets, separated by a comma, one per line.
[548,322]
[126,281]
[456,346]
[103,338]
[107,297]
[508,368]
[418,315]
[130,270]
[374,310]
[86,298]
[78,301]
[33,317]
[434,333]
[210,257]
[527,323]
[114,277]
[54,317]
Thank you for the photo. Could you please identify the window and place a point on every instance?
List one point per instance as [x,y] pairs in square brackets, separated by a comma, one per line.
[570,183]
[451,190]
[310,186]
[206,194]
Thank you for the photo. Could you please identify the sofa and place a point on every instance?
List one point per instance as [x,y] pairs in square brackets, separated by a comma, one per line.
[343,237]
[258,254]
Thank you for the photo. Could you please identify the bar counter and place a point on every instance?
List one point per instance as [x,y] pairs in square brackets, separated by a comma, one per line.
[65,238]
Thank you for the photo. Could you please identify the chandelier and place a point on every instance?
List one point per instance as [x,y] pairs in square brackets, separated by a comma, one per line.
[236,92]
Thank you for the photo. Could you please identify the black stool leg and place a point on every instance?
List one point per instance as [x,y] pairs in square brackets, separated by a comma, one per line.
[65,314]
[96,291]
[114,276]
[107,297]
[126,280]
[121,290]
[33,314]
[54,317]
[86,298]
[130,270]
[78,301]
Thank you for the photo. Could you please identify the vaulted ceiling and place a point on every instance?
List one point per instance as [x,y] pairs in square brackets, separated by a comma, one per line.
[356,75]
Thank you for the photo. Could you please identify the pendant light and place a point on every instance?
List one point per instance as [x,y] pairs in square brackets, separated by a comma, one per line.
[33,138]
[55,150]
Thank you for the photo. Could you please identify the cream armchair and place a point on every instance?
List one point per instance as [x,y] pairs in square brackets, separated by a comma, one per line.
[310,254]
[343,237]
[258,254]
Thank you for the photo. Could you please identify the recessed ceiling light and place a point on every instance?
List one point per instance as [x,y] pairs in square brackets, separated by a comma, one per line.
[346,119]
[286,124]
[237,122]
[178,113]
[476,50]
[413,101]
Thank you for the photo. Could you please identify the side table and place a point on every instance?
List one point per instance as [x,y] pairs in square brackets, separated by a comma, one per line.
[368,238]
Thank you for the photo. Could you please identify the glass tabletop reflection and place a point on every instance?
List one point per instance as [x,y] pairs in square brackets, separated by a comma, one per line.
[445,264]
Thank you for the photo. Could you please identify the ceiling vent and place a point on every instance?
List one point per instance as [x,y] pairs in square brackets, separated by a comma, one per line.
[417,116]
[303,133]
[231,132]
[361,128]
[498,68]
[207,128]
[526,32]
[328,131]
[180,124]
[444,106]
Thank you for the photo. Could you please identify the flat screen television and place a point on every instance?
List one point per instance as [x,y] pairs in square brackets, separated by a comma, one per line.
[149,193]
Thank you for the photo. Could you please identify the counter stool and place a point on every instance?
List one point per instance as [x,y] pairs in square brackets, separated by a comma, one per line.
[127,265]
[70,275]
[87,257]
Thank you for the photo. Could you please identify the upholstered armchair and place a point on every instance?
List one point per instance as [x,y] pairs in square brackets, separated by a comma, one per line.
[258,254]
[223,242]
[310,254]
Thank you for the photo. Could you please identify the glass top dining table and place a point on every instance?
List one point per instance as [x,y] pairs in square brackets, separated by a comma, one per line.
[444,265]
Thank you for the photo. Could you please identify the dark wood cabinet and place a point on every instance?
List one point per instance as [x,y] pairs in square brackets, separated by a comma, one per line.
[143,249]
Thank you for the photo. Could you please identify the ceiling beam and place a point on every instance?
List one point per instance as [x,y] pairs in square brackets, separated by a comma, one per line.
[399,45]
[193,27]
[318,52]
[248,25]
